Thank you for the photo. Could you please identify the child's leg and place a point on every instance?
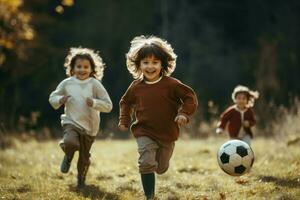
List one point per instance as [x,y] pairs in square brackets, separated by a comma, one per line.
[163,156]
[83,164]
[148,182]
[147,150]
[70,142]
[147,164]
[247,139]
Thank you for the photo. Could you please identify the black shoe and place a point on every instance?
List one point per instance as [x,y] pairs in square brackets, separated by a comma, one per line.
[80,181]
[65,164]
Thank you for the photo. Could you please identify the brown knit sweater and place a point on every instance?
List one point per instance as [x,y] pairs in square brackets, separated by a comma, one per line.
[233,117]
[155,107]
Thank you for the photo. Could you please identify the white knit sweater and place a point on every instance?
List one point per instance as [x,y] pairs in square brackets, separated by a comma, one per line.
[77,112]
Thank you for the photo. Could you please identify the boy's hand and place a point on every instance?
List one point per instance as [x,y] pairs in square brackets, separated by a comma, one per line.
[219,131]
[123,127]
[181,120]
[246,123]
[89,102]
[64,99]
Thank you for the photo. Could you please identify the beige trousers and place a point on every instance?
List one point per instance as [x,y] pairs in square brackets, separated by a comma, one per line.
[154,155]
[75,139]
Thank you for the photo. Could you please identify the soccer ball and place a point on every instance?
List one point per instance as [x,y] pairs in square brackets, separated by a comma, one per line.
[235,157]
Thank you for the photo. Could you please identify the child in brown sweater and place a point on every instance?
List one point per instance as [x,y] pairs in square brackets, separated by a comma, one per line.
[159,103]
[240,116]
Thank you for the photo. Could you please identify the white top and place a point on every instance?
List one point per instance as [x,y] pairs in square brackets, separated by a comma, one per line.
[152,82]
[77,112]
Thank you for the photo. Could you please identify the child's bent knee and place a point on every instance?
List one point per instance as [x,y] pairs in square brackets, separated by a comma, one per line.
[147,167]
[71,145]
[162,170]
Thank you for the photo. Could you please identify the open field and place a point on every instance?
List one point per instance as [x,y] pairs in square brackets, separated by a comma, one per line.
[30,170]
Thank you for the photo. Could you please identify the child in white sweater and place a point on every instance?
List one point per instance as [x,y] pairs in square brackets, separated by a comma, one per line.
[84,97]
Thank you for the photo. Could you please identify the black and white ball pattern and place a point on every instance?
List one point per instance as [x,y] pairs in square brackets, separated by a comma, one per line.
[235,157]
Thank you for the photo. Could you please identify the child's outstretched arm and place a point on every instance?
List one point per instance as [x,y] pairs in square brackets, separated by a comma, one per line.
[219,130]
[126,110]
[225,116]
[57,97]
[181,120]
[189,102]
[102,101]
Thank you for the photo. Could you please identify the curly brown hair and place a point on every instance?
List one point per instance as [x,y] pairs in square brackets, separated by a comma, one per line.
[144,46]
[251,95]
[92,56]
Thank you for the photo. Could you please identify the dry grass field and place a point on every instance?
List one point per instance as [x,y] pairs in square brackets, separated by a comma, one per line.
[30,170]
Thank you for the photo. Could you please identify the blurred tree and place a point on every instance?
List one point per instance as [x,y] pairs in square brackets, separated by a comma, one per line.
[16,33]
[106,26]
[219,45]
[15,29]
[222,44]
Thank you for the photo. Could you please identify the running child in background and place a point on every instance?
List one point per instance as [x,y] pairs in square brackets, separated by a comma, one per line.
[239,118]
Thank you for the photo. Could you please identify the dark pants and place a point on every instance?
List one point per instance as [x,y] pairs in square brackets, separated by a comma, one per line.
[75,139]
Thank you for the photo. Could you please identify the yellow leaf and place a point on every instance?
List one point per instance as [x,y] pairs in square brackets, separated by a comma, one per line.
[67,2]
[29,34]
[2,59]
[6,43]
[59,9]
[12,5]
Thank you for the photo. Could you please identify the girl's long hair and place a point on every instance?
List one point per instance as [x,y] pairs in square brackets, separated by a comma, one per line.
[85,53]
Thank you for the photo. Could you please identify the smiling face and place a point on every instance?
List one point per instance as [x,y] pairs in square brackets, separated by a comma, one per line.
[151,68]
[82,69]
[241,100]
